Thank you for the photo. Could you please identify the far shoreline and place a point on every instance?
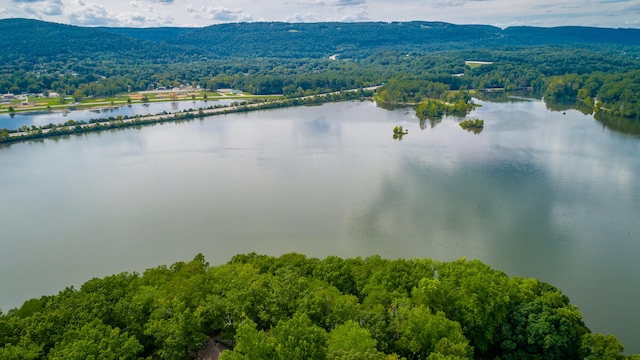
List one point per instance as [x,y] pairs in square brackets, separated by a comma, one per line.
[81,127]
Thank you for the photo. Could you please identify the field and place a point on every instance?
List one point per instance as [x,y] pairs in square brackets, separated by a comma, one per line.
[476,64]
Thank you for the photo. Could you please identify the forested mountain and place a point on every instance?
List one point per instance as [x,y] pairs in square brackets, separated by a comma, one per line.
[22,37]
[365,38]
[33,40]
[351,40]
[152,34]
[528,35]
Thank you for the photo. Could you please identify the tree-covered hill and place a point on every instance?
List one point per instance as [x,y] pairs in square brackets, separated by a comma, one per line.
[157,34]
[528,35]
[37,41]
[33,38]
[350,40]
[294,307]
[365,38]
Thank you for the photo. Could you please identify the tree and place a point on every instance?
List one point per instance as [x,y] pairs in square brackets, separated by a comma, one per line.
[298,339]
[421,333]
[11,352]
[350,341]
[176,329]
[96,340]
[598,346]
[545,325]
[251,343]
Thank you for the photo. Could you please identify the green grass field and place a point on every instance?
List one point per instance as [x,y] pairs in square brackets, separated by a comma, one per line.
[477,64]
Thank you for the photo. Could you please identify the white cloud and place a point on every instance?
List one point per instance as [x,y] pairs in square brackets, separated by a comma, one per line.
[92,15]
[311,2]
[52,9]
[350,2]
[308,17]
[219,14]
[359,14]
[150,19]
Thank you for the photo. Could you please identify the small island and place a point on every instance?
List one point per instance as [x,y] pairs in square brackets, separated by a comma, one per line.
[472,124]
[399,132]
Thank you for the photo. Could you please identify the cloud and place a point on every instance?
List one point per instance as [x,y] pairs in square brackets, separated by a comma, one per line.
[52,9]
[166,2]
[44,7]
[308,17]
[350,2]
[311,2]
[26,1]
[453,3]
[136,19]
[634,9]
[91,15]
[360,14]
[220,14]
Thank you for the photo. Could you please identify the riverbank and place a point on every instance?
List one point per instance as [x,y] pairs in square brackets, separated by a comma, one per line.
[79,127]
[121,101]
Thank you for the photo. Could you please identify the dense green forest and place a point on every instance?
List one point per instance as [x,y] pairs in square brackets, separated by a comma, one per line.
[294,307]
[596,67]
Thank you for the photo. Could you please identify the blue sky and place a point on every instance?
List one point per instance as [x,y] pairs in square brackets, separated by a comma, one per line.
[502,13]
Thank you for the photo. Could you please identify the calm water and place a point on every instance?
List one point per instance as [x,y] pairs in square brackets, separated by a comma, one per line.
[536,194]
[15,121]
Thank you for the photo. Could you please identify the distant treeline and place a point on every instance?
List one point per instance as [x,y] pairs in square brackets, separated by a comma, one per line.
[294,307]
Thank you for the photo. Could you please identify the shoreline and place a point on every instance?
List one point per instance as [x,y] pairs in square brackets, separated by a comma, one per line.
[22,109]
[81,127]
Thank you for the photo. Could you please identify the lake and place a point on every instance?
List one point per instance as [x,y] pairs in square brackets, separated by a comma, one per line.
[537,193]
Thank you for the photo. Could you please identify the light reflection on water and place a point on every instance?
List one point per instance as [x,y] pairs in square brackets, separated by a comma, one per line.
[536,194]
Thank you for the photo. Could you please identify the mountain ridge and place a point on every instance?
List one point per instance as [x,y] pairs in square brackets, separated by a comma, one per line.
[26,37]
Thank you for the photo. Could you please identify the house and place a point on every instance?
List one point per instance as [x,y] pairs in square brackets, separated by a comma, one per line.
[6,98]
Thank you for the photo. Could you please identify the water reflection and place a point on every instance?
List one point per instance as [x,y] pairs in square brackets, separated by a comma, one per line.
[507,97]
[619,123]
[432,122]
[564,105]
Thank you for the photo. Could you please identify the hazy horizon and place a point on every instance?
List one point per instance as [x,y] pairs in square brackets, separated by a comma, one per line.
[200,13]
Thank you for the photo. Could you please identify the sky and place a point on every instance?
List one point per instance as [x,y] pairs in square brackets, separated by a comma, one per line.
[198,13]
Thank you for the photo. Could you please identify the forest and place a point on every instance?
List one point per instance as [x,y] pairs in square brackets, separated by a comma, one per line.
[296,307]
[595,67]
